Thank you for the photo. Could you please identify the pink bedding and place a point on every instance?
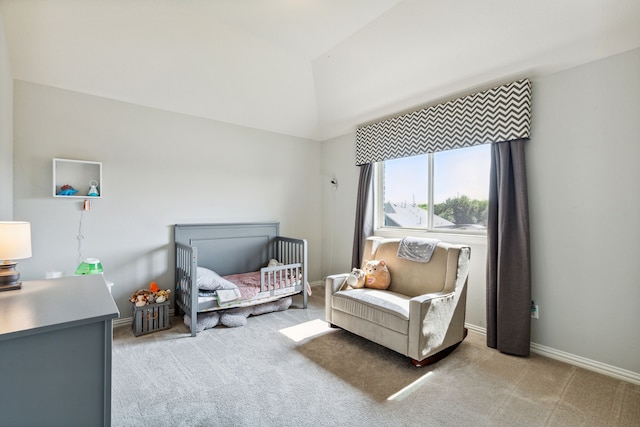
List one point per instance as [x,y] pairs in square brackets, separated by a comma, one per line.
[249,283]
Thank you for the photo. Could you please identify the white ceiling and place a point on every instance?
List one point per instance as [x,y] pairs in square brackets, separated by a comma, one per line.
[309,68]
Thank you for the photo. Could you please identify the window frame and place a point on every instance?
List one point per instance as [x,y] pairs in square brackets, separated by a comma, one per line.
[378,208]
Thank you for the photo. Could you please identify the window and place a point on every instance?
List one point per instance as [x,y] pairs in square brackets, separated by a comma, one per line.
[443,191]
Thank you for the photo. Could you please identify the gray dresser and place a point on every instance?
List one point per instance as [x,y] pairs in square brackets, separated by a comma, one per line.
[55,353]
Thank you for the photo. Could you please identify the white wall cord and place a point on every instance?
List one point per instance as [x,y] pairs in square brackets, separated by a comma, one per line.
[80,238]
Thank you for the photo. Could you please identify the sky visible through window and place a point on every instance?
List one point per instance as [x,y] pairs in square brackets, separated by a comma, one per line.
[458,172]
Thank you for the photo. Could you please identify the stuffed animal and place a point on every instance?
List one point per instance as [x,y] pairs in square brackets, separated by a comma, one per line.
[354,280]
[162,295]
[376,274]
[274,263]
[143,296]
[140,297]
[153,287]
[238,316]
[204,321]
[151,299]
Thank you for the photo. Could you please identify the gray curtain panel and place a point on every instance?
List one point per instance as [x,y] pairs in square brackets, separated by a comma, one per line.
[364,213]
[508,262]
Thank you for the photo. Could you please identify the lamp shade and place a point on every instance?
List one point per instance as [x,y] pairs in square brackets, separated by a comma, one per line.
[15,240]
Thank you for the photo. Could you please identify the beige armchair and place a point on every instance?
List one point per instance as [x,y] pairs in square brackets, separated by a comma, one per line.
[421,315]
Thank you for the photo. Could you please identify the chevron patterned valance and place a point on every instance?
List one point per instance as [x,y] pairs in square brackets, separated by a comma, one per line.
[499,114]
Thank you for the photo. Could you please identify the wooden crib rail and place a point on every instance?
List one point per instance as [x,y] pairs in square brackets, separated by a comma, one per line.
[290,252]
[280,277]
[186,281]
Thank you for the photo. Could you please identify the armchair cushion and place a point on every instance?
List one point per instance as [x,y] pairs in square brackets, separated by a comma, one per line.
[384,308]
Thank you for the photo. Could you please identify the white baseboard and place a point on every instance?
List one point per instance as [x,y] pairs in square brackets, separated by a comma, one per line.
[572,359]
[592,365]
[478,329]
[122,321]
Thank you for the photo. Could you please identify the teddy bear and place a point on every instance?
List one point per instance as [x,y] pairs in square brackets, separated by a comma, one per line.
[151,299]
[162,295]
[354,280]
[274,263]
[376,274]
[140,297]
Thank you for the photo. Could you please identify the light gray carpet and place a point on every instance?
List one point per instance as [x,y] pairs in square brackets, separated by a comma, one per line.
[256,375]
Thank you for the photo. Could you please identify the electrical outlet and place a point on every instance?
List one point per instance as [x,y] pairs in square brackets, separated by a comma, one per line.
[535,312]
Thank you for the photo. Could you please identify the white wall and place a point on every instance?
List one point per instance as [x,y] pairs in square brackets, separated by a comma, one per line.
[159,169]
[338,204]
[584,203]
[6,130]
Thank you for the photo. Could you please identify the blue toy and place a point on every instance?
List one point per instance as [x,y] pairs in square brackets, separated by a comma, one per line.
[67,190]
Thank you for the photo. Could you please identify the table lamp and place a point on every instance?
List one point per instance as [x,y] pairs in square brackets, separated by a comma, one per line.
[15,243]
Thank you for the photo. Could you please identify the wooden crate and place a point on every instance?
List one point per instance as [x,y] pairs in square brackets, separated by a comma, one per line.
[150,318]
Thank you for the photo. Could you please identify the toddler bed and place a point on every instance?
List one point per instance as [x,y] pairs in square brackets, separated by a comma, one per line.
[222,266]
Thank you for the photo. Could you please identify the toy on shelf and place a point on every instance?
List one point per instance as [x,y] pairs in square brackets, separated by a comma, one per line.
[67,190]
[93,188]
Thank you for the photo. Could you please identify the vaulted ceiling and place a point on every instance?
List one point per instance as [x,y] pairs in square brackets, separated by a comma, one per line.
[309,68]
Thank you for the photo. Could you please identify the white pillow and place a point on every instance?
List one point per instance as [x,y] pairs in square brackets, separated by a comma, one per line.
[211,281]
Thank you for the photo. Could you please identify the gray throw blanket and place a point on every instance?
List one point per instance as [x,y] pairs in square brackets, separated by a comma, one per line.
[416,248]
